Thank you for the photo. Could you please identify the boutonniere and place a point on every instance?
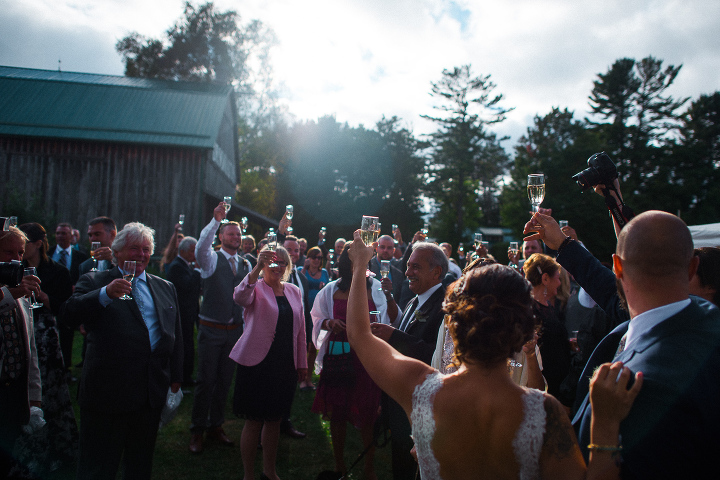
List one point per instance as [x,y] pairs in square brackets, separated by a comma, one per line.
[420,316]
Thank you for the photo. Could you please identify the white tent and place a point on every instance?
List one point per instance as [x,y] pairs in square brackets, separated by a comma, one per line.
[706,235]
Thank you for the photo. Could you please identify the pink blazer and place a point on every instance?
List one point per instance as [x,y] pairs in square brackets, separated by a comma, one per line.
[261,315]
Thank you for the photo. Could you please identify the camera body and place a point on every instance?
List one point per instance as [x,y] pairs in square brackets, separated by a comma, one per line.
[601,170]
[11,273]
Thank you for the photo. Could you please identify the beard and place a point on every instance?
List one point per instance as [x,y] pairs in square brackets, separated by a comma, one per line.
[621,294]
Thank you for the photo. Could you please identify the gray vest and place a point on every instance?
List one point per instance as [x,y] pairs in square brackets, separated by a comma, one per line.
[218,291]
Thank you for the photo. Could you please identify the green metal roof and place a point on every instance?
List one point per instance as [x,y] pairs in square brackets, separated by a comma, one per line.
[52,104]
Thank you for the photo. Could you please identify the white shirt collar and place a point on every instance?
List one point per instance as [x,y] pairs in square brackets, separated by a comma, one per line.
[642,323]
[229,256]
[422,298]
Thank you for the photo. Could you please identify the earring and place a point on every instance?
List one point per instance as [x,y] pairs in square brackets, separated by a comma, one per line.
[545,293]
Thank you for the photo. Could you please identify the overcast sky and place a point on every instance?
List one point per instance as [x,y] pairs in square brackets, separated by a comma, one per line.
[361,59]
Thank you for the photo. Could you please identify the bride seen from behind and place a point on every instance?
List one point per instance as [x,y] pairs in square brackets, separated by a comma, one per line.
[475,422]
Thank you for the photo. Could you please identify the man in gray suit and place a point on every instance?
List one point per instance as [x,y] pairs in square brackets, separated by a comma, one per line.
[134,354]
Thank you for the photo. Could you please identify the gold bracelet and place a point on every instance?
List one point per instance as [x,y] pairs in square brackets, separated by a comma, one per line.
[605,448]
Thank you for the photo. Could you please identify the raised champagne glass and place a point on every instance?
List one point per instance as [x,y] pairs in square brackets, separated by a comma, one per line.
[272,244]
[289,212]
[244,224]
[93,249]
[128,274]
[181,220]
[514,250]
[478,240]
[369,229]
[384,270]
[227,201]
[26,273]
[563,223]
[536,189]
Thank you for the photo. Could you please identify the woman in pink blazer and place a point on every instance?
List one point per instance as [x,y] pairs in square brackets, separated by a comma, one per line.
[271,356]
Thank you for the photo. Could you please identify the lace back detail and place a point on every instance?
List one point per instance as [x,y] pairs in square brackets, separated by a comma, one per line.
[423,425]
[530,435]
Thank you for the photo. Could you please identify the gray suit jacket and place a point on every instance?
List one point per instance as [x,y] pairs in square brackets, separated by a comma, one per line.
[121,373]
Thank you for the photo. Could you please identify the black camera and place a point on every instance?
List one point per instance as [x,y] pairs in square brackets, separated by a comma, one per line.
[601,170]
[11,273]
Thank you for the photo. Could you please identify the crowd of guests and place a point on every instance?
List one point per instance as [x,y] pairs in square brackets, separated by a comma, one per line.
[546,364]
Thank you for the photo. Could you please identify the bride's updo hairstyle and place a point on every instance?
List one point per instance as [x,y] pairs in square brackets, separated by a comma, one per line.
[489,314]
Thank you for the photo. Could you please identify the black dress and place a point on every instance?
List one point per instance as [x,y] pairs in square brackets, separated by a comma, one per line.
[265,391]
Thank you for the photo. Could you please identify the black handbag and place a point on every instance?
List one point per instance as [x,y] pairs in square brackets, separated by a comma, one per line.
[337,370]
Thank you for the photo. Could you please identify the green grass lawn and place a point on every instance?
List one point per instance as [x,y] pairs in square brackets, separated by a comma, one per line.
[297,459]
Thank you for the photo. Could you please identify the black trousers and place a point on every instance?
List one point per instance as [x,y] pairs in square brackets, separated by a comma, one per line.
[109,438]
[13,402]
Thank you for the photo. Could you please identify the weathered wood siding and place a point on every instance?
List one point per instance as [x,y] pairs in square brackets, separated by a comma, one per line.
[77,181]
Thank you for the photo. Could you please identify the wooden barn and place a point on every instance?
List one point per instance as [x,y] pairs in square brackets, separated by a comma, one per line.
[83,145]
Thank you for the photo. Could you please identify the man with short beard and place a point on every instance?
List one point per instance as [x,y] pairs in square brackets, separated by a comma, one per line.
[220,326]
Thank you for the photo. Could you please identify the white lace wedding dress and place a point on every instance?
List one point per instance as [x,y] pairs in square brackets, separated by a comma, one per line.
[526,445]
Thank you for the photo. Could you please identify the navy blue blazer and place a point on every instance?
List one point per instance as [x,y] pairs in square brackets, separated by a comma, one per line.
[672,428]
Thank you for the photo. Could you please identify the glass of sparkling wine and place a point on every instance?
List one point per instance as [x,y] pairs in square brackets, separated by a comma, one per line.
[93,248]
[369,229]
[26,273]
[272,244]
[478,240]
[181,220]
[536,189]
[128,274]
[514,250]
[244,224]
[227,201]
[563,223]
[289,212]
[384,269]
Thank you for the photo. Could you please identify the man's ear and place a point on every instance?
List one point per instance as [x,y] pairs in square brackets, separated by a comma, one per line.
[617,266]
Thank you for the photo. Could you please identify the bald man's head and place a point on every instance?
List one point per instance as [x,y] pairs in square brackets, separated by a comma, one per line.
[655,246]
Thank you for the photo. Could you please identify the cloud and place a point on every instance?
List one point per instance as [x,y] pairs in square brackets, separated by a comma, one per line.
[361,59]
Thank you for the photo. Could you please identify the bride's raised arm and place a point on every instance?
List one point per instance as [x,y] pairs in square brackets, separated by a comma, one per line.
[396,374]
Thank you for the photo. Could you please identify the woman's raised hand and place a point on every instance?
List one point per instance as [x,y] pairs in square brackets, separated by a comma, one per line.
[610,398]
[359,253]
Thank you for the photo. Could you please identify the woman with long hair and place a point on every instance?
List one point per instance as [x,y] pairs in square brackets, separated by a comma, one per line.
[543,273]
[354,401]
[317,278]
[476,422]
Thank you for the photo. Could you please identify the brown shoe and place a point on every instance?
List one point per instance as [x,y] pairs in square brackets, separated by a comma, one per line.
[218,434]
[196,443]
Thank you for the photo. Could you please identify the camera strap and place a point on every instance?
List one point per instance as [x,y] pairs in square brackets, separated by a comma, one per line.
[621,213]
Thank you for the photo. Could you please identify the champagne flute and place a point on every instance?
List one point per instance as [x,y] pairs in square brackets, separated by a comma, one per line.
[30,271]
[369,229]
[514,250]
[128,274]
[426,229]
[93,248]
[181,220]
[244,224]
[563,223]
[384,270]
[227,201]
[289,212]
[272,244]
[478,240]
[536,189]
[12,221]
[323,232]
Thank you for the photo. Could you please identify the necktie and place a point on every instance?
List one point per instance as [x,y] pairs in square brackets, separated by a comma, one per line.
[64,257]
[13,352]
[407,319]
[233,266]
[621,346]
[138,298]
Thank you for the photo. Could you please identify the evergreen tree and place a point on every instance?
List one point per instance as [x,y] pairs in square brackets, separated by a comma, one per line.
[466,160]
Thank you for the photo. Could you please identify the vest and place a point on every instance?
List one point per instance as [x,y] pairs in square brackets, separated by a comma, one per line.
[218,290]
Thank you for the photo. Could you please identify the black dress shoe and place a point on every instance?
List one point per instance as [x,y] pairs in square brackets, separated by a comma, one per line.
[292,432]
